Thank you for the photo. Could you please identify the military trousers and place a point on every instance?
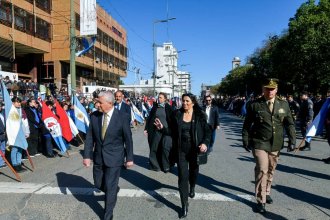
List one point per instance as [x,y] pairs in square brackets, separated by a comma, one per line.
[264,171]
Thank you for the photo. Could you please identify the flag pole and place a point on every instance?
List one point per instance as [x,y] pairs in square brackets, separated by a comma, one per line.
[300,145]
[30,160]
[81,139]
[10,167]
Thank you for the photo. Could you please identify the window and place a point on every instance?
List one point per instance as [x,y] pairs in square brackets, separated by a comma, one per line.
[111,43]
[5,13]
[43,29]
[77,20]
[117,46]
[24,21]
[44,5]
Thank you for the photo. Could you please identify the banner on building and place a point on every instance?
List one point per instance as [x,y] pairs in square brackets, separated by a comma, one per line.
[88,22]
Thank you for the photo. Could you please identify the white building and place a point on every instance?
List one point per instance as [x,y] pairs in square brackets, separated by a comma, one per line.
[168,78]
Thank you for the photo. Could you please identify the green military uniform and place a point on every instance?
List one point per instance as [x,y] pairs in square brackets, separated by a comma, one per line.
[264,130]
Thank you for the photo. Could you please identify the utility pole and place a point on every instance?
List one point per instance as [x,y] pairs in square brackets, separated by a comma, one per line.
[72,48]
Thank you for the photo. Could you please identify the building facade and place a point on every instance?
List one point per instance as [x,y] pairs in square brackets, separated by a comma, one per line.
[35,43]
[168,78]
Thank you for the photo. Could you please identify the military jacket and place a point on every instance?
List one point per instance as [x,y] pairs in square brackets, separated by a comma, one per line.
[263,129]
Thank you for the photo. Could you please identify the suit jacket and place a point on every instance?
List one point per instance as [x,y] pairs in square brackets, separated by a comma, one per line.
[124,108]
[214,116]
[201,132]
[263,129]
[33,124]
[117,142]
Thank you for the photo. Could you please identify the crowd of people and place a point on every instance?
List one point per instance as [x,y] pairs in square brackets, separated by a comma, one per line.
[177,133]
[303,109]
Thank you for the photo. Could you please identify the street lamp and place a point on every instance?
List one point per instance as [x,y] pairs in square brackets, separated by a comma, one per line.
[154,52]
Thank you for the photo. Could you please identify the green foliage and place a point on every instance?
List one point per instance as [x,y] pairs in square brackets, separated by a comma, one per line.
[299,58]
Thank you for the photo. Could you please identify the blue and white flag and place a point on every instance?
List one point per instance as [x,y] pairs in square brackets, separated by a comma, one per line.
[81,116]
[136,114]
[144,111]
[14,124]
[88,43]
[316,127]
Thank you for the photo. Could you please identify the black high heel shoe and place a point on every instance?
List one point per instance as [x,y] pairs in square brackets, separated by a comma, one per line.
[184,211]
[192,192]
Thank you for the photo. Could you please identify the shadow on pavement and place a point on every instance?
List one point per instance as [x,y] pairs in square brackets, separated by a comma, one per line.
[293,170]
[66,180]
[299,156]
[301,195]
[149,186]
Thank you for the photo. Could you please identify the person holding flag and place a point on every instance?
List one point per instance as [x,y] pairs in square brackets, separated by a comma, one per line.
[14,121]
[52,124]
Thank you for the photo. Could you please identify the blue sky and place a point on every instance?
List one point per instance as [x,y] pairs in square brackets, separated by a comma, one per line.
[212,32]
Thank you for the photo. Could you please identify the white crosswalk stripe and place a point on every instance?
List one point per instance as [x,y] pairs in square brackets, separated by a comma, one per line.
[44,189]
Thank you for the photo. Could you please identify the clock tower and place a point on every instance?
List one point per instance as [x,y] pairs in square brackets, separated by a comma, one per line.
[236,62]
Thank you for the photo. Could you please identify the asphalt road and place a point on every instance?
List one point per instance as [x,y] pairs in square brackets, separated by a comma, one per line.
[61,188]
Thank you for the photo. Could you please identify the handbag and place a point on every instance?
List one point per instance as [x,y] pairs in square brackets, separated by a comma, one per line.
[201,158]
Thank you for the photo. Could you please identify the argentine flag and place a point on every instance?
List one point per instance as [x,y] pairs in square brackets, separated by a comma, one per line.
[81,116]
[88,43]
[136,114]
[316,127]
[14,124]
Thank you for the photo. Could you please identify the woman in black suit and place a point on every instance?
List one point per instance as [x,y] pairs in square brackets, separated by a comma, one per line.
[191,136]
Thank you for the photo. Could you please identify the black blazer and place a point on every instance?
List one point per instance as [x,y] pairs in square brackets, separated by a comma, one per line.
[201,132]
[117,142]
[124,108]
[32,120]
[214,116]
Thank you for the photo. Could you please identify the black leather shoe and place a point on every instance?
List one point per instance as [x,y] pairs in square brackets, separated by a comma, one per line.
[305,148]
[260,208]
[184,211]
[269,199]
[192,192]
[50,155]
[19,169]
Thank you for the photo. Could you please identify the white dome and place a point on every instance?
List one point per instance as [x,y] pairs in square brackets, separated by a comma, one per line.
[236,59]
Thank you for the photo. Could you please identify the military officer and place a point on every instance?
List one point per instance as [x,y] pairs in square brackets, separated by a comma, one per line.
[262,132]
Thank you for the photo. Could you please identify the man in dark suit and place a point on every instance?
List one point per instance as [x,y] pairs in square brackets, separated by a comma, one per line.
[110,136]
[121,105]
[212,119]
[262,131]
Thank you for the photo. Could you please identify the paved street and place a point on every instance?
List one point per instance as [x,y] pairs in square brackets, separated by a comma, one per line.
[61,188]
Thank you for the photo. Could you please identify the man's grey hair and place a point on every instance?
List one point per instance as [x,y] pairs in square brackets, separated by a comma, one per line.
[109,97]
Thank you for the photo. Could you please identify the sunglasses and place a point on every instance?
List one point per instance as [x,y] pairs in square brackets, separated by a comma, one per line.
[208,100]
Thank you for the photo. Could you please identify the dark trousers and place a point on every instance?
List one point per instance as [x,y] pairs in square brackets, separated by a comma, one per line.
[210,147]
[165,142]
[106,179]
[187,175]
[33,141]
[303,128]
[48,145]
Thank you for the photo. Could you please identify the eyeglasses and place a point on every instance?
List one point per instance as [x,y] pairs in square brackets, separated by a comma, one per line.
[208,100]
